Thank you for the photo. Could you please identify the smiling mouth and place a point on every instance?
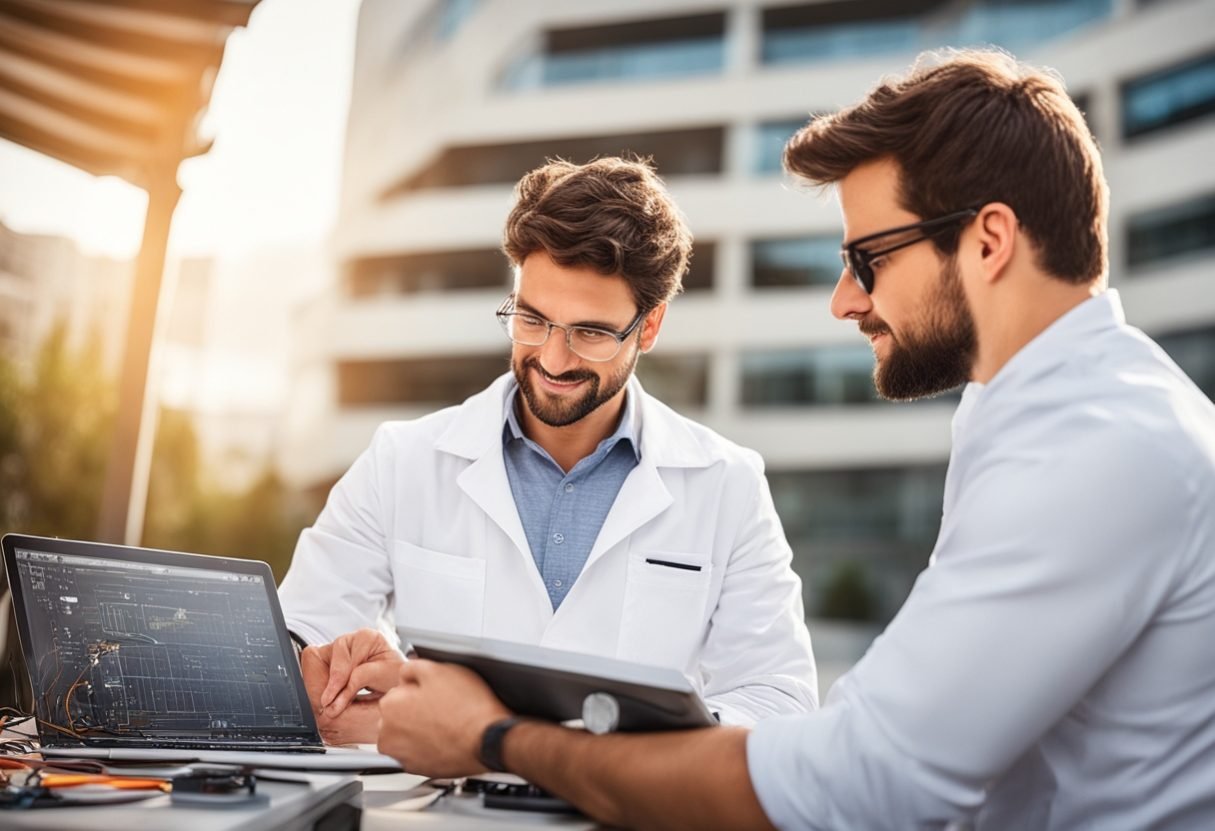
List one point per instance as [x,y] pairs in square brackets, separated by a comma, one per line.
[560,386]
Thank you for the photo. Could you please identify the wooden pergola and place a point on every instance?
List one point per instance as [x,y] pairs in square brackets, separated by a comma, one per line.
[117,87]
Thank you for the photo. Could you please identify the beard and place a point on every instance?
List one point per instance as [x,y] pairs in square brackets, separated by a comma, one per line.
[934,355]
[556,412]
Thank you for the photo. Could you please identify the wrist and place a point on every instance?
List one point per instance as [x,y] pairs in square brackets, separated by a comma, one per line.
[492,742]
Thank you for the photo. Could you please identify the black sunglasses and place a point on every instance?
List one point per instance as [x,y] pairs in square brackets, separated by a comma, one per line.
[859,261]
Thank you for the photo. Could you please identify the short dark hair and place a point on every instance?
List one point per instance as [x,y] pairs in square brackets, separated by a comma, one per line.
[611,214]
[970,127]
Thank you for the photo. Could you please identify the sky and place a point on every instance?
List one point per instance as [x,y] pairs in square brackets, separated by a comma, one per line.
[277,115]
[261,204]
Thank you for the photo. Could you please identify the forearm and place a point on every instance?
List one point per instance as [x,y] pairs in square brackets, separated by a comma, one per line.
[685,779]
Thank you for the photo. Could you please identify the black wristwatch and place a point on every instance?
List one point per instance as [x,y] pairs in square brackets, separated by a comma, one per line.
[490,753]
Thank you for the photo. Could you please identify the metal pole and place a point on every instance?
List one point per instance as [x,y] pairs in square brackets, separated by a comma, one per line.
[130,460]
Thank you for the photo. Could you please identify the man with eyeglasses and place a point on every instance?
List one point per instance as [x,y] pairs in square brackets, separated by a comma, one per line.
[1052,667]
[562,506]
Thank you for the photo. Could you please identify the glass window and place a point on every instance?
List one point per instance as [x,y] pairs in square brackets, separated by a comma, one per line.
[452,14]
[862,28]
[676,380]
[1171,233]
[815,376]
[695,151]
[702,268]
[1172,96]
[647,49]
[433,381]
[797,261]
[771,138]
[871,526]
[417,273]
[1194,352]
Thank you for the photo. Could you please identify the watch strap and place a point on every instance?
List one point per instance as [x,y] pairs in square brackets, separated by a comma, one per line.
[490,753]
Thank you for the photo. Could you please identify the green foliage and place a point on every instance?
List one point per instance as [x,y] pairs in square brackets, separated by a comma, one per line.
[56,426]
[847,595]
[54,430]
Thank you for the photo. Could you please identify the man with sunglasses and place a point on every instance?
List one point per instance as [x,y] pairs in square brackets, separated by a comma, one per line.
[562,506]
[1052,667]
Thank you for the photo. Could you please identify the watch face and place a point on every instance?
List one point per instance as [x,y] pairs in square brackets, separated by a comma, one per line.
[600,712]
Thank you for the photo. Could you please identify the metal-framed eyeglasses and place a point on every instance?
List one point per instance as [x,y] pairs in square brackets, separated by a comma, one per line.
[591,343]
[859,261]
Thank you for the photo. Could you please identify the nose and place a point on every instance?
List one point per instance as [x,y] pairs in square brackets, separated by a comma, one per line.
[555,354]
[849,300]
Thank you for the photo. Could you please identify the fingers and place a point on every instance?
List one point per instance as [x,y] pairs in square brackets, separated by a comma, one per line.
[377,676]
[314,666]
[340,665]
[351,651]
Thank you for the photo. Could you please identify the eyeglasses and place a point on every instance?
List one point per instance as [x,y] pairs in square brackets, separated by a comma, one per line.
[591,343]
[859,262]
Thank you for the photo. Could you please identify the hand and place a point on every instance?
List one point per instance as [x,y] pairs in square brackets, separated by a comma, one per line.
[333,675]
[433,720]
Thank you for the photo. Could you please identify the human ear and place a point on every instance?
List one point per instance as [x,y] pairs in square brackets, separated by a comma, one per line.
[995,231]
[651,325]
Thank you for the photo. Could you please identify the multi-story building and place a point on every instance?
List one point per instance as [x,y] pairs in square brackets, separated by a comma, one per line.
[453,101]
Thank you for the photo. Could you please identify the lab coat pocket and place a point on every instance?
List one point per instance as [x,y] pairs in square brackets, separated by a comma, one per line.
[662,621]
[436,591]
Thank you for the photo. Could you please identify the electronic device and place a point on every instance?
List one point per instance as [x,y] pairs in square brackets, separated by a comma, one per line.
[516,796]
[214,785]
[564,686]
[142,654]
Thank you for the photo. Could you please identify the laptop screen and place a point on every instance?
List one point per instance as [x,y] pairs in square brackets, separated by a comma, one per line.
[137,646]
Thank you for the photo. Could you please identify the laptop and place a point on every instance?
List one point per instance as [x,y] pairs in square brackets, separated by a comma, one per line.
[149,655]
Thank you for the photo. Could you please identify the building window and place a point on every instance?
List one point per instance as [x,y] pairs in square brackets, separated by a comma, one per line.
[815,376]
[795,262]
[1172,233]
[1171,96]
[875,527]
[1194,351]
[680,381]
[432,382]
[637,50]
[839,29]
[770,140]
[702,268]
[451,16]
[417,273]
[695,151]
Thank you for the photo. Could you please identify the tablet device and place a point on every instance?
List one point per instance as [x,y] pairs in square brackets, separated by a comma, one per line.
[564,686]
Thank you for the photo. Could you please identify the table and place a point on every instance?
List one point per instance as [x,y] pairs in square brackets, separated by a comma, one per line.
[294,804]
[393,802]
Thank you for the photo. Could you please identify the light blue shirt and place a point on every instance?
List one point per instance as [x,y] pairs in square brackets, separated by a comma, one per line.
[563,512]
[1051,668]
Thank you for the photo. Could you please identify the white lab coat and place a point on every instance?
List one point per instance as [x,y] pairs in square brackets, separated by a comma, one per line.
[422,531]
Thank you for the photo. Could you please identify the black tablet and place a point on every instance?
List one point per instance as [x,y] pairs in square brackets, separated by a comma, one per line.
[606,693]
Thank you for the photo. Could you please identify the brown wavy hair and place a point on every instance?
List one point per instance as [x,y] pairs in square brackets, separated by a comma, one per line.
[612,214]
[970,127]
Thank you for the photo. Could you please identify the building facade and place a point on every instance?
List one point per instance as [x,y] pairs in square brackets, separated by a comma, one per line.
[453,101]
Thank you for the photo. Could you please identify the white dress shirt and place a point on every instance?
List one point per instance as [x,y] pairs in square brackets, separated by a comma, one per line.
[1054,666]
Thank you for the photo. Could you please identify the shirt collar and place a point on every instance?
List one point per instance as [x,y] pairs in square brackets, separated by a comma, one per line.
[625,430]
[1054,345]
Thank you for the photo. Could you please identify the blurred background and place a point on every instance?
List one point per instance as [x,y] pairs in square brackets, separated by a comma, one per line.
[333,261]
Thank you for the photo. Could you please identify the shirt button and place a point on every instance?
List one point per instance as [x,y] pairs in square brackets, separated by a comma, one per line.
[569,488]
[558,538]
[556,584]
